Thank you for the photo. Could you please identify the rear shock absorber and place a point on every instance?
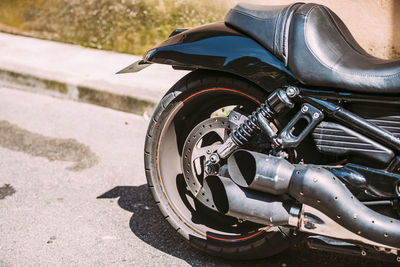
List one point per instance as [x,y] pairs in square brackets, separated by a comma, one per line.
[279,102]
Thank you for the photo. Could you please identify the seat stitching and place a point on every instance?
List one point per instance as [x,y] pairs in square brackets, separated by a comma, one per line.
[283,32]
[275,32]
[286,32]
[329,67]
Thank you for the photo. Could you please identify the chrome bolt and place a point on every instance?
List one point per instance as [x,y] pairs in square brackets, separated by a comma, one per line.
[315,115]
[235,117]
[363,253]
[208,151]
[304,109]
[398,259]
[214,158]
[292,91]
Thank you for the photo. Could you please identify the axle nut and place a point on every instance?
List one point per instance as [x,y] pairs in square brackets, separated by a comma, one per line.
[214,158]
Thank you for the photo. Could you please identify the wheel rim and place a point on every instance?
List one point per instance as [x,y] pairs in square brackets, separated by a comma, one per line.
[172,181]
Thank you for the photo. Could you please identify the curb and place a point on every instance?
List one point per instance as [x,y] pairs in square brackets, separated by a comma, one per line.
[82,74]
[75,92]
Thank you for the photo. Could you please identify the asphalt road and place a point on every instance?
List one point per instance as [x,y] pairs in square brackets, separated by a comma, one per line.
[73,193]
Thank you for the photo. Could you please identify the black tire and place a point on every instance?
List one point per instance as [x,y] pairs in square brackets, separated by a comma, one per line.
[186,104]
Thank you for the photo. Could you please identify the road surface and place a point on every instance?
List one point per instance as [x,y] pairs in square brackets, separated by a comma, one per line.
[73,193]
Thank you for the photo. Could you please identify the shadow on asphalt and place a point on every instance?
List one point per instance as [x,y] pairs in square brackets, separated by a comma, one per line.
[148,224]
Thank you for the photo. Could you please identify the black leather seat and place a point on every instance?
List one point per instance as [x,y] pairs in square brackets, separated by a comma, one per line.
[317,47]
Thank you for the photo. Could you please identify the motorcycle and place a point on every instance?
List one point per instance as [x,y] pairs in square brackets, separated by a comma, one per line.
[285,129]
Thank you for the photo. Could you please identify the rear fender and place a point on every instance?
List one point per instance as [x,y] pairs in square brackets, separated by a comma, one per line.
[215,46]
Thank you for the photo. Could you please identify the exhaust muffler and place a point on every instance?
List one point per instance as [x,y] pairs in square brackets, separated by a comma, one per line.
[260,172]
[315,187]
[249,205]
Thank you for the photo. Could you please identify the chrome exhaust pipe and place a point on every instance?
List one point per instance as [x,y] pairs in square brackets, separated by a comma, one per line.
[232,200]
[317,188]
[260,172]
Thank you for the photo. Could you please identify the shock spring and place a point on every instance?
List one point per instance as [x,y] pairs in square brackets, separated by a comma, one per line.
[279,102]
[251,126]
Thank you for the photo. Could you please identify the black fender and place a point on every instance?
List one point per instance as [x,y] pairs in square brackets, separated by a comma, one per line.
[218,47]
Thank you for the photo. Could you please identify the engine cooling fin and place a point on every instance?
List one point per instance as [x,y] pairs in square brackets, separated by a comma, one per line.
[389,123]
[335,139]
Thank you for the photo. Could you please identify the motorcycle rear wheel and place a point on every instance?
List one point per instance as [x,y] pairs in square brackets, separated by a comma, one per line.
[193,99]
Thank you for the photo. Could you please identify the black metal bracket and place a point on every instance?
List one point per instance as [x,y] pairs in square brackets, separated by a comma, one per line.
[300,126]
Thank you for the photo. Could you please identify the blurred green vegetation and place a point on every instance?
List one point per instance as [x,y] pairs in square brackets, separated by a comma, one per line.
[130,26]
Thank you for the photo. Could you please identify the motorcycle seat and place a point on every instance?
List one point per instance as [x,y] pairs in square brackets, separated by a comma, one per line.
[316,46]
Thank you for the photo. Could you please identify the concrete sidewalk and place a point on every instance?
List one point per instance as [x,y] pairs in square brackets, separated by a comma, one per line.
[82,74]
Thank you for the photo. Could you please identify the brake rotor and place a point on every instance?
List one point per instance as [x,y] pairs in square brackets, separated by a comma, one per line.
[200,144]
